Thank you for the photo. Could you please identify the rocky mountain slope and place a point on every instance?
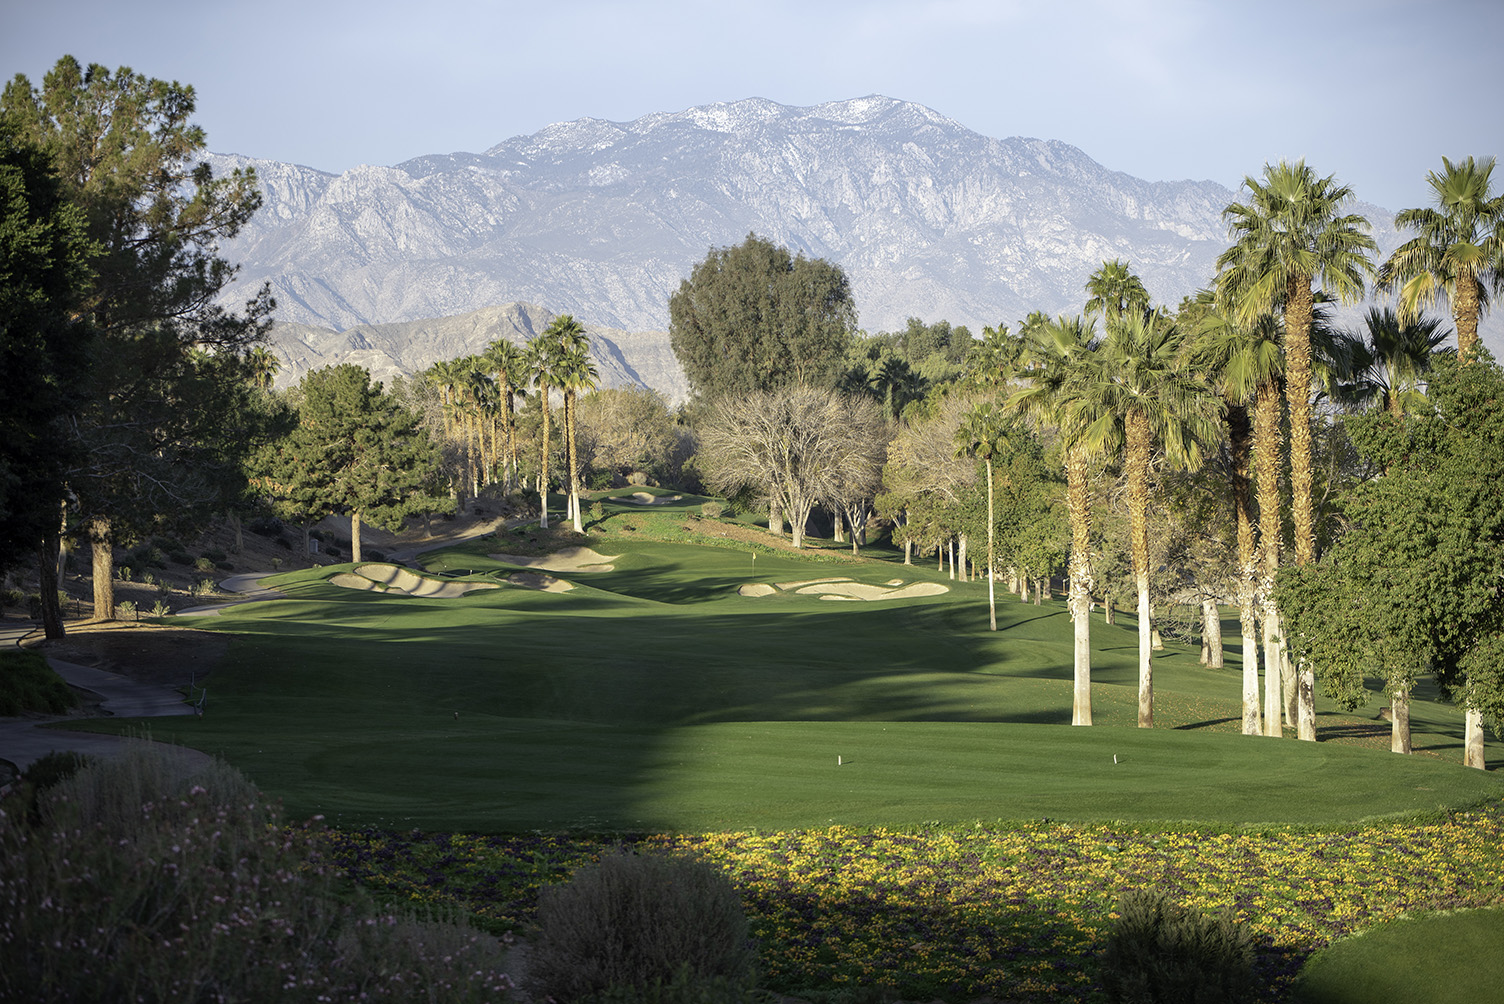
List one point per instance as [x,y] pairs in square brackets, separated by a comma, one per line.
[604,219]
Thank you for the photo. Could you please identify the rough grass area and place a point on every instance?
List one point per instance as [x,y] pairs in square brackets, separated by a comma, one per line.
[29,686]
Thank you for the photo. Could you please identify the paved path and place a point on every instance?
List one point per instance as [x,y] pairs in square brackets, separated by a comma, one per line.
[23,742]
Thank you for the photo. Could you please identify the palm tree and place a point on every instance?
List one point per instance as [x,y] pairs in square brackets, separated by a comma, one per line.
[1058,361]
[1115,291]
[506,363]
[897,382]
[263,364]
[1287,236]
[545,355]
[1147,398]
[576,373]
[982,433]
[1246,363]
[1458,250]
[1385,364]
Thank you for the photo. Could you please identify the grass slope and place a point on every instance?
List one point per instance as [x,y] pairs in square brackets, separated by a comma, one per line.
[1450,958]
[654,697]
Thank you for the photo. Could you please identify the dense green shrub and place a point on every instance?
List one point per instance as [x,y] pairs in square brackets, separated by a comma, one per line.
[712,510]
[29,685]
[215,554]
[181,557]
[1160,952]
[638,922]
[141,881]
[203,564]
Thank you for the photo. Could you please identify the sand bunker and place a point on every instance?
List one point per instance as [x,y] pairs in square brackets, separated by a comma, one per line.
[537,580]
[392,579]
[846,589]
[644,498]
[570,559]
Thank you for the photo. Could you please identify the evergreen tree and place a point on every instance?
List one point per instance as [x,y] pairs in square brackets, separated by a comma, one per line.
[164,408]
[355,451]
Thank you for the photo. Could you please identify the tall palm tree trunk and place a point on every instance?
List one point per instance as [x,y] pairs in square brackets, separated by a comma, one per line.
[1139,443]
[574,469]
[1240,444]
[1266,470]
[991,554]
[543,462]
[1298,316]
[1465,316]
[1078,507]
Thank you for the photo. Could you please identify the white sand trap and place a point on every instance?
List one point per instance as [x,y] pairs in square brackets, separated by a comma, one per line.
[795,586]
[537,580]
[392,579]
[862,591]
[570,559]
[644,498]
[846,589]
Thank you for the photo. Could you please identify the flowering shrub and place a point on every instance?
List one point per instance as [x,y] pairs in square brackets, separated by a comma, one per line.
[1016,913]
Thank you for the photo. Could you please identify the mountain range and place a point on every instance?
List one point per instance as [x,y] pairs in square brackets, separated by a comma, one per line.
[404,265]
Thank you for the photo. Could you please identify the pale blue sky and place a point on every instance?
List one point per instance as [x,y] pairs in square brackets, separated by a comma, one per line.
[1375,92]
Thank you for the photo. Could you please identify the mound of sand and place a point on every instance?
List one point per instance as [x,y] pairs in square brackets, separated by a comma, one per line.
[570,559]
[392,579]
[841,588]
[644,498]
[537,580]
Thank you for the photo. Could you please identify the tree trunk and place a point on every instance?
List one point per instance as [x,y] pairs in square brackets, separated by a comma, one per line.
[1211,630]
[543,462]
[775,519]
[908,552]
[950,548]
[837,527]
[48,583]
[1305,725]
[1472,742]
[570,420]
[1465,316]
[1240,445]
[1288,682]
[961,558]
[1078,508]
[238,529]
[355,537]
[102,546]
[1139,443]
[1266,471]
[1399,719]
[1298,314]
[991,556]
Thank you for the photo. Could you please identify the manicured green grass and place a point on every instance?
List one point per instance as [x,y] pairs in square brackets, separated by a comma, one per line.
[1450,958]
[653,697]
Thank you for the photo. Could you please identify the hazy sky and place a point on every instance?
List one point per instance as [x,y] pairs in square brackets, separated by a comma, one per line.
[1373,91]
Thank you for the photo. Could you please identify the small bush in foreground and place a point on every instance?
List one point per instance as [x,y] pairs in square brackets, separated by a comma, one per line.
[648,924]
[684,988]
[140,882]
[1160,952]
[712,510]
[29,685]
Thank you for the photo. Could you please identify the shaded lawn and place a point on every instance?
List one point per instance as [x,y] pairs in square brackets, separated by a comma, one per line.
[1449,958]
[654,697]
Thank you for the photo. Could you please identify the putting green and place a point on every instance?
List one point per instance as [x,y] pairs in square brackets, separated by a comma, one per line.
[653,696]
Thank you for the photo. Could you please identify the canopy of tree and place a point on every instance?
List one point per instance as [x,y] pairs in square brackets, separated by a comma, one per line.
[354,451]
[754,317]
[44,257]
[164,412]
